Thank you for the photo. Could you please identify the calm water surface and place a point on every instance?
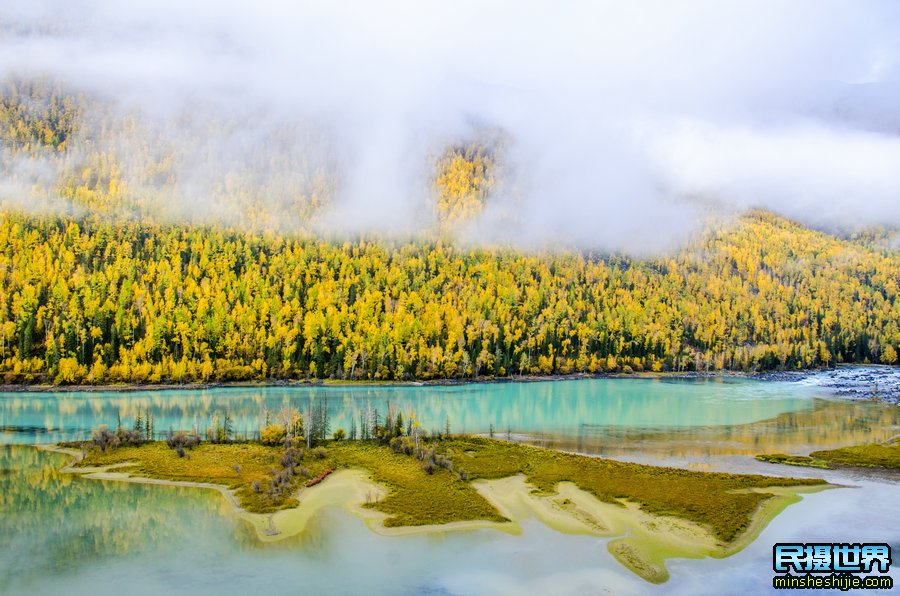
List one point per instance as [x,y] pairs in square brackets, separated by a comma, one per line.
[62,534]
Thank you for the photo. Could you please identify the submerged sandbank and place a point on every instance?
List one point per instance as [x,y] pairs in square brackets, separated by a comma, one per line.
[640,541]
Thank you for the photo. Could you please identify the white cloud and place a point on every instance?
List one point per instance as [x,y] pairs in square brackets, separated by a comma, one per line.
[826,176]
[616,113]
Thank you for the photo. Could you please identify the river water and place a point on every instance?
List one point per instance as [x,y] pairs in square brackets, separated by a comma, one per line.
[62,534]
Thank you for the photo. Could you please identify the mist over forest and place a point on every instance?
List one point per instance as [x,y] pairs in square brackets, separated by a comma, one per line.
[599,125]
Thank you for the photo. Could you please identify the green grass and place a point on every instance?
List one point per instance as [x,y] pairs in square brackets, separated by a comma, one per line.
[213,464]
[867,456]
[416,498]
[793,460]
[714,500]
[707,498]
[872,456]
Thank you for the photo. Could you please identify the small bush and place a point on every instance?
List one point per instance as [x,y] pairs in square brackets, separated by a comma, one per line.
[291,458]
[273,434]
[104,438]
[129,437]
[432,460]
[287,458]
[182,440]
[444,462]
[321,453]
[402,445]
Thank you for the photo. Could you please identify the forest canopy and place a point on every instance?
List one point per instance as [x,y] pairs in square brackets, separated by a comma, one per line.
[87,301]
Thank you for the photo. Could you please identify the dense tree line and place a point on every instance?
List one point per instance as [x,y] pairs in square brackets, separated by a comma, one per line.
[96,301]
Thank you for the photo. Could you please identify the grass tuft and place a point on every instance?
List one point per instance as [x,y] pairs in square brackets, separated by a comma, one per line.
[867,456]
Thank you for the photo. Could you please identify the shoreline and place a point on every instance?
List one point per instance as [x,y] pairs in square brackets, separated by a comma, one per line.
[774,375]
[640,541]
[285,523]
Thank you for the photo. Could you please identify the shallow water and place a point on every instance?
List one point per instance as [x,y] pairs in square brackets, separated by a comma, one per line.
[62,534]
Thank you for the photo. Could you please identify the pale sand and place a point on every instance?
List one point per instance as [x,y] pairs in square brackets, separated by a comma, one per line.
[642,541]
[350,490]
[646,540]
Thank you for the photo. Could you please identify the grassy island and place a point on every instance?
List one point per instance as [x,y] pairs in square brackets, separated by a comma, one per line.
[886,455]
[405,485]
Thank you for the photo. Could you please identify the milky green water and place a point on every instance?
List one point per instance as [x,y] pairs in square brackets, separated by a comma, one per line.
[63,534]
[559,408]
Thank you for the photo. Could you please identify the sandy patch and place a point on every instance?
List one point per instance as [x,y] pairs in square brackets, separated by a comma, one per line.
[642,542]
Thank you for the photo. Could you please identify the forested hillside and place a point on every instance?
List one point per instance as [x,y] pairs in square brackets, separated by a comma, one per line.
[108,289]
[93,301]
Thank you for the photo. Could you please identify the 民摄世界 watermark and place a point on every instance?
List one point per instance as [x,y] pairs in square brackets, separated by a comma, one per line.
[840,566]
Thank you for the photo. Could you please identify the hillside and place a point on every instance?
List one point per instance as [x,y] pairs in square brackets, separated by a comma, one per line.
[93,301]
[100,285]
